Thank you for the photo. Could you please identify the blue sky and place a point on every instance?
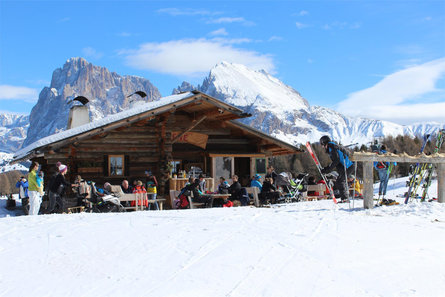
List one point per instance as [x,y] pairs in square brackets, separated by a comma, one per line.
[375,59]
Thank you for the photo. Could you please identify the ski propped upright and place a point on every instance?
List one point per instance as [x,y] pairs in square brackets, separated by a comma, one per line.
[318,165]
[417,176]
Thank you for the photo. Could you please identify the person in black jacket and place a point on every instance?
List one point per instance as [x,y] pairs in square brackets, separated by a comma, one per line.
[198,196]
[269,191]
[235,188]
[271,173]
[57,188]
[340,162]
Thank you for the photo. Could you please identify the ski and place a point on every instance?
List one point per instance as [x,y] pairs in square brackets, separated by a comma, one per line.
[417,176]
[430,167]
[318,165]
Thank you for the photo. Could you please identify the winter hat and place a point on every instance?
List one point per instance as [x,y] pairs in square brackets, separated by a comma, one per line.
[62,168]
[257,176]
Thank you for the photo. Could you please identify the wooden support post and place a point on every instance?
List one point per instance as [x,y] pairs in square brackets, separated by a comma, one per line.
[441,183]
[368,189]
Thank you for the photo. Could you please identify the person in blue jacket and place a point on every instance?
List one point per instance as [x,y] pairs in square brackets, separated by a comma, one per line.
[383,171]
[22,184]
[256,182]
[341,164]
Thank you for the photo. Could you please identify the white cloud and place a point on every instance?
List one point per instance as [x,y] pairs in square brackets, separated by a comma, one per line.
[193,56]
[229,20]
[91,53]
[303,13]
[275,38]
[188,12]
[8,92]
[300,25]
[219,32]
[341,25]
[401,96]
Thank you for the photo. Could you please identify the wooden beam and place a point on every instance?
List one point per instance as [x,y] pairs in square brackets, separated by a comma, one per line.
[401,158]
[368,190]
[441,183]
[189,128]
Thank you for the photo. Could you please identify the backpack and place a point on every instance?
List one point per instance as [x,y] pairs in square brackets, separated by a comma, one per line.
[343,155]
[380,165]
[182,202]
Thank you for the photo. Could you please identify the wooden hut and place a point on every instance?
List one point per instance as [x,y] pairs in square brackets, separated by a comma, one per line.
[189,132]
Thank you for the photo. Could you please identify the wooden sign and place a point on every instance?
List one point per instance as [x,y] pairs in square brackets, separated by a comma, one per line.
[194,138]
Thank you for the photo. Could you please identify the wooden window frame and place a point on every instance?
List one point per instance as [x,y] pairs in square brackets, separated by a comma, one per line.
[123,164]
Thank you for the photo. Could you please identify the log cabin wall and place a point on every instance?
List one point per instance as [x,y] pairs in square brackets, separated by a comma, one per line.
[139,144]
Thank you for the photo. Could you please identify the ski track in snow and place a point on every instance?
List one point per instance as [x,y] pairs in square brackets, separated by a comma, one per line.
[301,249]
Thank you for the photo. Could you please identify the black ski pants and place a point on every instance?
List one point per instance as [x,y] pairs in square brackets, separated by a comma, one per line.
[340,183]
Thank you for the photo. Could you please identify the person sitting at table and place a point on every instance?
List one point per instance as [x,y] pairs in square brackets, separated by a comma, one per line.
[256,181]
[198,196]
[269,191]
[140,189]
[237,192]
[223,187]
[126,187]
[202,184]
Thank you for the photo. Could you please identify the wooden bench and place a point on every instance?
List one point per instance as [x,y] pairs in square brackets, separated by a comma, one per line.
[159,201]
[173,195]
[124,197]
[320,188]
[255,192]
[76,209]
[194,204]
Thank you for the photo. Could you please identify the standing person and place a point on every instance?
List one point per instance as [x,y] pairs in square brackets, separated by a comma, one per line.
[383,172]
[341,162]
[22,184]
[57,190]
[35,199]
[271,173]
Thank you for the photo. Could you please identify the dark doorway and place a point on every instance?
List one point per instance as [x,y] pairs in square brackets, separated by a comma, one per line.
[242,169]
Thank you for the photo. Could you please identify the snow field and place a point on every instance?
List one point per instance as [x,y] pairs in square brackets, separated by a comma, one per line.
[301,249]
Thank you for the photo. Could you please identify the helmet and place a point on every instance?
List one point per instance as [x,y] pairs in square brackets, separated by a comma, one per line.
[324,140]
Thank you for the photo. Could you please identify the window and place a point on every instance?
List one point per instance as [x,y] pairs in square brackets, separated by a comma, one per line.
[116,165]
[260,165]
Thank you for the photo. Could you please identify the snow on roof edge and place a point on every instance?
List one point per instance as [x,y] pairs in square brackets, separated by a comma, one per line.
[101,122]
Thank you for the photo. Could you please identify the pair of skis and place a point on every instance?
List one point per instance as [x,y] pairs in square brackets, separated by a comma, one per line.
[319,167]
[430,168]
[423,172]
[416,178]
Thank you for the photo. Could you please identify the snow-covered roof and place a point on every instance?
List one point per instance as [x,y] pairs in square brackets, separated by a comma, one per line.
[154,107]
[22,153]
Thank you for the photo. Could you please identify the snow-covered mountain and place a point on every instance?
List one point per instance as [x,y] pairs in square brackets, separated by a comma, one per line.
[5,158]
[107,91]
[281,111]
[13,129]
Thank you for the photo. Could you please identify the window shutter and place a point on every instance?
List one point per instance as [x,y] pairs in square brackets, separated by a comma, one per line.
[105,165]
[127,165]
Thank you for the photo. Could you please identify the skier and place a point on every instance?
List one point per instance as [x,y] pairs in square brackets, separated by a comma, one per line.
[383,171]
[341,162]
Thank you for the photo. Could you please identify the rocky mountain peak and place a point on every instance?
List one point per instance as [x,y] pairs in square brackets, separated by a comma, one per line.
[107,92]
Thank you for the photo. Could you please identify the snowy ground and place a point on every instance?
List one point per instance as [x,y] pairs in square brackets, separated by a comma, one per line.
[300,249]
